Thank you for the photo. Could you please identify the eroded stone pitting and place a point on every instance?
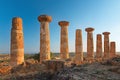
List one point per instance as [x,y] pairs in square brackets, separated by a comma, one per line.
[17,42]
[64,47]
[78,47]
[106,44]
[112,49]
[99,46]
[90,44]
[44,37]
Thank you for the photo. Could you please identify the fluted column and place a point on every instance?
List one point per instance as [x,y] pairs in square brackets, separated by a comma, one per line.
[17,42]
[44,37]
[78,47]
[64,49]
[99,46]
[106,44]
[90,46]
[112,49]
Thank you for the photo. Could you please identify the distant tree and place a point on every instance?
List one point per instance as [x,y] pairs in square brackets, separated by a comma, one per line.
[36,56]
[51,55]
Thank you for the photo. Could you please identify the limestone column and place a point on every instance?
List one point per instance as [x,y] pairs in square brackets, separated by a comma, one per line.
[64,49]
[90,46]
[106,44]
[112,49]
[78,47]
[99,46]
[17,42]
[44,37]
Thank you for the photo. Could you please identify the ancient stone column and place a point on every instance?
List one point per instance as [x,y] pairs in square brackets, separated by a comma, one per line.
[112,50]
[106,44]
[17,42]
[44,37]
[64,49]
[99,46]
[78,47]
[90,46]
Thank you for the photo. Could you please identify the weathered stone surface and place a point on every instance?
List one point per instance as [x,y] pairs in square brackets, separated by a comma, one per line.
[105,70]
[44,18]
[44,37]
[90,46]
[106,44]
[64,49]
[17,23]
[63,23]
[54,65]
[30,61]
[4,70]
[99,46]
[94,71]
[17,42]
[78,47]
[112,50]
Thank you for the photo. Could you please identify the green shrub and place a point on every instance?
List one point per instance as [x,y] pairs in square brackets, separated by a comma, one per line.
[36,56]
[27,56]
[51,55]
[1,79]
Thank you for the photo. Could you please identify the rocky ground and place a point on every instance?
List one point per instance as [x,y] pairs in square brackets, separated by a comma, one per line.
[106,70]
[32,70]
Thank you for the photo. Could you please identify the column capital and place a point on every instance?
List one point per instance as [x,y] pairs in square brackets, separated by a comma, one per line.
[89,29]
[106,33]
[45,18]
[63,23]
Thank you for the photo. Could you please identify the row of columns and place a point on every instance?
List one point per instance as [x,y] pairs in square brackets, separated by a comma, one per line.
[109,48]
[17,43]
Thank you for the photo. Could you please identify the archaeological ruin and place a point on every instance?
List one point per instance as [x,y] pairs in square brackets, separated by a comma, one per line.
[99,46]
[112,49]
[90,44]
[17,43]
[44,37]
[78,47]
[64,49]
[106,44]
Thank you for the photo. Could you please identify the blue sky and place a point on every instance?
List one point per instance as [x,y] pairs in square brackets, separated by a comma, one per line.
[103,15]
